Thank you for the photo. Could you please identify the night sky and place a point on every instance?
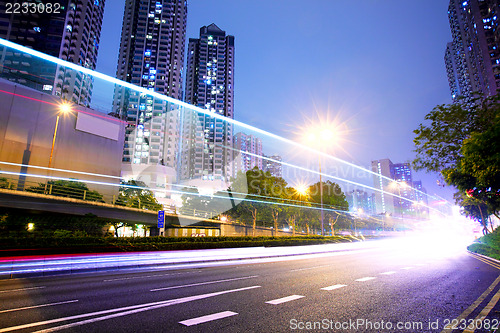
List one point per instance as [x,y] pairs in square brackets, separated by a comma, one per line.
[374,66]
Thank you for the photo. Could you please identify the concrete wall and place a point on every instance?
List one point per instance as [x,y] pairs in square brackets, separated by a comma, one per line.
[246,230]
[86,140]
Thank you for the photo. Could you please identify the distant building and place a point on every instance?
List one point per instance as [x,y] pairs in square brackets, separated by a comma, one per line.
[207,151]
[248,152]
[473,57]
[399,194]
[273,165]
[361,200]
[70,31]
[151,56]
[384,201]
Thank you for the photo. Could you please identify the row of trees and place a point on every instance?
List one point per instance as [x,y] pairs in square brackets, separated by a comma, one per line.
[259,198]
[462,143]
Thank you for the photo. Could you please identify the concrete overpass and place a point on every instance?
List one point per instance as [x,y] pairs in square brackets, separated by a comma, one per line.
[40,203]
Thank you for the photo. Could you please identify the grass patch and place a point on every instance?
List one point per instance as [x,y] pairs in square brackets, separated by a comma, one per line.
[488,245]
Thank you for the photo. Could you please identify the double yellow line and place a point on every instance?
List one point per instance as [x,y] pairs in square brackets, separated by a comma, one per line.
[486,310]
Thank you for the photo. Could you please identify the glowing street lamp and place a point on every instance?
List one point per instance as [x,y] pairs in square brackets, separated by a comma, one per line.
[302,190]
[63,108]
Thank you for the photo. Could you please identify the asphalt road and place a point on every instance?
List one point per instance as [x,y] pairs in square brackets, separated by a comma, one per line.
[391,288]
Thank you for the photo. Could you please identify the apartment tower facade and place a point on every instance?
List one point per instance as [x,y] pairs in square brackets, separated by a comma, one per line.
[69,30]
[207,151]
[151,56]
[473,57]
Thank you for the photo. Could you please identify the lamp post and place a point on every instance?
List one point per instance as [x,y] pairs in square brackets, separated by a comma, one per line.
[320,136]
[63,108]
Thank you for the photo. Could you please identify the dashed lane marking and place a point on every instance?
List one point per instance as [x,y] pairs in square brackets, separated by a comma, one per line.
[336,286]
[118,312]
[284,299]
[368,278]
[207,318]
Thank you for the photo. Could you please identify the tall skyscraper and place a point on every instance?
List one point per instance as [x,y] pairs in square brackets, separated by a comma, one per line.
[151,56]
[361,200]
[70,30]
[473,57]
[401,194]
[273,165]
[247,152]
[207,151]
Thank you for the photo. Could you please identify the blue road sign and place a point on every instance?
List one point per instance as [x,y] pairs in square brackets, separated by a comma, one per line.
[161,218]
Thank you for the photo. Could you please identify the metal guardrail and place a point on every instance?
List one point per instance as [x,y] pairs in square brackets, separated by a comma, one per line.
[66,190]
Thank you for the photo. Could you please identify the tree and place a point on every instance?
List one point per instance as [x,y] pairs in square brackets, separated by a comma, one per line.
[134,194]
[333,199]
[438,145]
[463,144]
[265,196]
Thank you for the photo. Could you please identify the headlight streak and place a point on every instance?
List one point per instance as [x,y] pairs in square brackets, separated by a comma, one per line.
[341,179]
[186,186]
[182,192]
[187,106]
[162,191]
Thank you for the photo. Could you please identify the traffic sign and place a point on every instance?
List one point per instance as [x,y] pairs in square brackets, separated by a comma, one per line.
[161,218]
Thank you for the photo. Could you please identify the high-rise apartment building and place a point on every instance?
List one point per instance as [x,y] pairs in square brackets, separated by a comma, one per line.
[273,165]
[68,29]
[399,194]
[473,57]
[207,151]
[247,152]
[360,201]
[151,56]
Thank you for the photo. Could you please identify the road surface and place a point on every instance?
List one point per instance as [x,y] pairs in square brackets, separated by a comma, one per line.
[394,287]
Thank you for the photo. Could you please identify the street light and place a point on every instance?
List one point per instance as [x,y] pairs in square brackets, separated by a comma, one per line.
[320,136]
[302,190]
[63,108]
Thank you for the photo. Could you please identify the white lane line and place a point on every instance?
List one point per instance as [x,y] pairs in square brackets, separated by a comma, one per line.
[204,283]
[336,286]
[388,273]
[38,306]
[13,290]
[141,277]
[407,268]
[303,269]
[204,319]
[125,311]
[368,278]
[284,299]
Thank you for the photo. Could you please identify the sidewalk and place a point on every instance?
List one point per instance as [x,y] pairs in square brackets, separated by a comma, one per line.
[48,265]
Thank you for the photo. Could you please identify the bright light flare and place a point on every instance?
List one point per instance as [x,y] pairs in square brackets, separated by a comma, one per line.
[302,189]
[65,107]
[434,239]
[323,136]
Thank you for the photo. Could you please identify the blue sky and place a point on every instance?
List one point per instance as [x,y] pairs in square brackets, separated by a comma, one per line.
[375,66]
